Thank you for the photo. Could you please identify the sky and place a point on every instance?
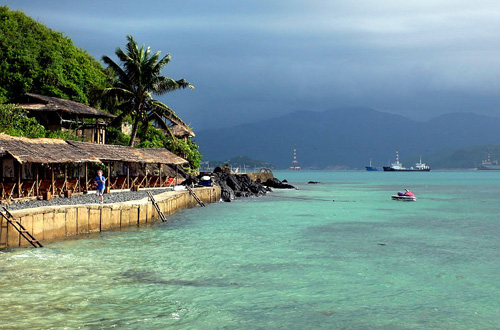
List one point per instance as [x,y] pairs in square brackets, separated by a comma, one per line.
[253,60]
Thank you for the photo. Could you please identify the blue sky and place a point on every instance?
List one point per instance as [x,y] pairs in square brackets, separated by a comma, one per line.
[251,60]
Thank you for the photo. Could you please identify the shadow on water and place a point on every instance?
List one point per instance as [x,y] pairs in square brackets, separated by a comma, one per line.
[150,277]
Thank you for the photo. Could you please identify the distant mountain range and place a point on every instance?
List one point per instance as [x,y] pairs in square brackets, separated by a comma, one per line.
[350,137]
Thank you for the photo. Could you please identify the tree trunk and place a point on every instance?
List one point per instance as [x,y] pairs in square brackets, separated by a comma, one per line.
[134,132]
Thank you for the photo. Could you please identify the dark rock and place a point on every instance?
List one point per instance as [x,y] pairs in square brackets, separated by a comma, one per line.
[313,182]
[275,183]
[223,169]
[240,185]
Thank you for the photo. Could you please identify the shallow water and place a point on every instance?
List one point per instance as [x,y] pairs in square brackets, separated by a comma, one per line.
[340,254]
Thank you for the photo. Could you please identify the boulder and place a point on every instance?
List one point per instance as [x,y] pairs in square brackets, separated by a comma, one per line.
[275,183]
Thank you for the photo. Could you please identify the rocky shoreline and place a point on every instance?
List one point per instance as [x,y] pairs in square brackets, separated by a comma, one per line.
[240,185]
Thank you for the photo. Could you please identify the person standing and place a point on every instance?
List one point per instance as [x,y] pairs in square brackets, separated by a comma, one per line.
[101,185]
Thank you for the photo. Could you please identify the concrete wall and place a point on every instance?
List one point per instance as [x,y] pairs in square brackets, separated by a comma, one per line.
[57,222]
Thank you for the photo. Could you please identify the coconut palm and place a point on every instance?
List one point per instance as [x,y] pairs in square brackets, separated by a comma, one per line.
[137,80]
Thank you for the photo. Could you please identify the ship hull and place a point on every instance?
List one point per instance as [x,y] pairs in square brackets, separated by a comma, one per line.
[373,169]
[489,167]
[390,169]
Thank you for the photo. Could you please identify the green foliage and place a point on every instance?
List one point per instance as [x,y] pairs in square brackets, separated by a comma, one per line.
[152,138]
[115,136]
[185,149]
[13,121]
[136,78]
[63,135]
[36,59]
[155,138]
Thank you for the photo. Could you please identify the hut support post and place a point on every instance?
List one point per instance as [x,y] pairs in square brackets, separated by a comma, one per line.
[161,170]
[53,180]
[128,175]
[37,186]
[19,173]
[108,186]
[86,178]
[79,178]
[64,187]
[176,174]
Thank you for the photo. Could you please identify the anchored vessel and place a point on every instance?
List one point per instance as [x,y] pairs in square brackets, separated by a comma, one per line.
[399,167]
[295,163]
[487,164]
[373,168]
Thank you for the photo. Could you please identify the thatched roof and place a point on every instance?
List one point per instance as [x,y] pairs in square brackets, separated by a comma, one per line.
[181,131]
[35,102]
[108,152]
[47,151]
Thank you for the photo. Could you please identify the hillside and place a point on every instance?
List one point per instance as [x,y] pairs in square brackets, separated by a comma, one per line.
[36,59]
[349,137]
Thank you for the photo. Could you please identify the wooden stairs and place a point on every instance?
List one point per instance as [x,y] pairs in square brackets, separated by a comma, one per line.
[20,228]
[152,199]
[191,191]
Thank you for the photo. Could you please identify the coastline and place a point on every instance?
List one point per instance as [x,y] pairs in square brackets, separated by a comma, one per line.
[53,222]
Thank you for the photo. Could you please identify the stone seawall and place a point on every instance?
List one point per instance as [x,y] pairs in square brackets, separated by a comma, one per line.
[57,222]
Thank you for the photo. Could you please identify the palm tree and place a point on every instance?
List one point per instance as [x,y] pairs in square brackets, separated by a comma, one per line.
[137,80]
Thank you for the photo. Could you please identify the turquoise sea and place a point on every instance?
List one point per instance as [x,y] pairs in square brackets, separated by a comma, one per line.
[335,255]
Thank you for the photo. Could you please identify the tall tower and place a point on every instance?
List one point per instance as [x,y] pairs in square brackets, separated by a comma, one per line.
[295,164]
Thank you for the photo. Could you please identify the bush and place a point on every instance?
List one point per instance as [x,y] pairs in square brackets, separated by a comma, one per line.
[187,150]
[36,59]
[13,121]
[115,136]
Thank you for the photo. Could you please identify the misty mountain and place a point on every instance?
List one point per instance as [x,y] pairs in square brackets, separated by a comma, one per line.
[347,137]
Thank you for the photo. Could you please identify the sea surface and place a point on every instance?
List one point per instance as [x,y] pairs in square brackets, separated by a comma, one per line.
[335,255]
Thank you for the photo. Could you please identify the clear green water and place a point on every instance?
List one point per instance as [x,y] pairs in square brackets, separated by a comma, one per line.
[290,260]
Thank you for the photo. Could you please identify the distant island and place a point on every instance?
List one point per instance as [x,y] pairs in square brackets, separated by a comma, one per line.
[241,163]
[348,138]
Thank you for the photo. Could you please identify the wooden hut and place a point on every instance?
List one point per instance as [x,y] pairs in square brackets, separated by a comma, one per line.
[59,114]
[34,167]
[134,167]
[31,167]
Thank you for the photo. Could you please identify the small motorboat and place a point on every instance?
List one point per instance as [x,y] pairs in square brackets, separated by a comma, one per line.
[407,196]
[404,198]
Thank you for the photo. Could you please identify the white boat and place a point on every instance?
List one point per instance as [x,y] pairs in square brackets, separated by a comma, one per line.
[404,198]
[399,167]
[490,165]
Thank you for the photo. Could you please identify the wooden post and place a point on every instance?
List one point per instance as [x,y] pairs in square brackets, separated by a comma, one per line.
[53,181]
[108,186]
[36,181]
[161,181]
[65,178]
[79,178]
[86,178]
[128,175]
[19,174]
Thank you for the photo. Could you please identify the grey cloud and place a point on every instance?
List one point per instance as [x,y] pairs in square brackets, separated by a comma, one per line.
[266,58]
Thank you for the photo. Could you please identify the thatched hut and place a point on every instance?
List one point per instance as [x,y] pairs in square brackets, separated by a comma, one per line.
[59,114]
[32,167]
[139,167]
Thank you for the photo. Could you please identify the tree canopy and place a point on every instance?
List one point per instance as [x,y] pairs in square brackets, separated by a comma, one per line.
[137,79]
[36,59]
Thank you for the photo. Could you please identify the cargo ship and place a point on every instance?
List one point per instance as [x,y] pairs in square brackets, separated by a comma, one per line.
[399,167]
